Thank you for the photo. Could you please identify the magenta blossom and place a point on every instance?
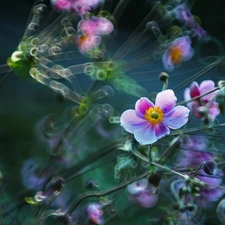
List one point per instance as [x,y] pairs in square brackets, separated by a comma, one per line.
[143,193]
[62,5]
[206,102]
[179,51]
[149,122]
[79,6]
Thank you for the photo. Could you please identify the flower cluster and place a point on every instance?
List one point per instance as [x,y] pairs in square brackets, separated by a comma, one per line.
[72,170]
[196,155]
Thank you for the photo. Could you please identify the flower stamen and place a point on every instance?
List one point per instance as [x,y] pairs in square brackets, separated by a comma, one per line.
[154,115]
[176,54]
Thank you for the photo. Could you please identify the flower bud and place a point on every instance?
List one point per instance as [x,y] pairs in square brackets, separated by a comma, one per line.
[163,76]
[202,111]
[89,184]
[210,167]
[155,179]
[221,84]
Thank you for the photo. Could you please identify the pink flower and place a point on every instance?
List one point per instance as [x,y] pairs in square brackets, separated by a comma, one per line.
[87,42]
[205,102]
[95,213]
[91,30]
[79,6]
[95,26]
[149,122]
[62,5]
[179,51]
[143,193]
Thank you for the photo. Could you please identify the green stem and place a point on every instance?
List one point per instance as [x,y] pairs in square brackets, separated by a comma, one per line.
[81,197]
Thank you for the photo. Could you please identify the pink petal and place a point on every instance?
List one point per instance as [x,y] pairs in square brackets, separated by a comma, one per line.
[177,118]
[166,100]
[146,134]
[161,130]
[142,105]
[166,60]
[184,41]
[206,86]
[103,26]
[214,110]
[188,54]
[187,97]
[147,200]
[194,90]
[131,122]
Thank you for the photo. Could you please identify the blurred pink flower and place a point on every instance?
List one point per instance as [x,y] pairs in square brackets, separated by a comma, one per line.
[62,5]
[91,31]
[183,14]
[79,6]
[86,43]
[95,213]
[179,51]
[143,193]
[96,26]
[149,122]
[205,101]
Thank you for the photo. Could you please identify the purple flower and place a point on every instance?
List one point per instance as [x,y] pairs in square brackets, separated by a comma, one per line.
[193,151]
[192,155]
[32,178]
[184,15]
[149,122]
[143,193]
[95,213]
[206,102]
[179,51]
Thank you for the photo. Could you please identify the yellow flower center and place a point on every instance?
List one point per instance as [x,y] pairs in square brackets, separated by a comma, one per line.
[176,54]
[154,115]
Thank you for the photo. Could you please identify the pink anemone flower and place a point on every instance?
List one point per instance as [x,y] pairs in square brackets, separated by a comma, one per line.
[179,51]
[205,101]
[149,122]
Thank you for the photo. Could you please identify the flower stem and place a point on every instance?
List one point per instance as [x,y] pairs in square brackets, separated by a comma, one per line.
[81,197]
